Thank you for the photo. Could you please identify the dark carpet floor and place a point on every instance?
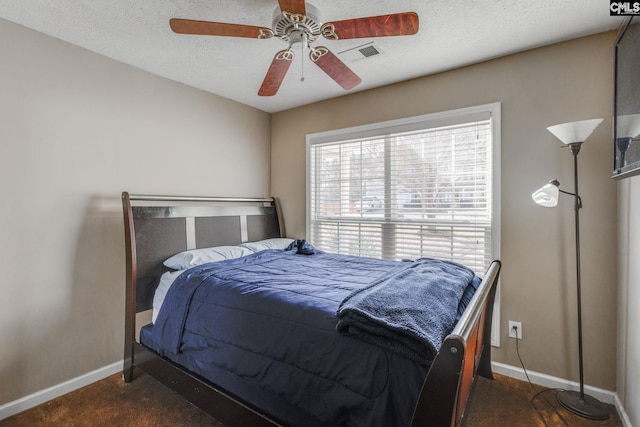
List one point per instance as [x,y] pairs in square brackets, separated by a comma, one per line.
[145,402]
[510,402]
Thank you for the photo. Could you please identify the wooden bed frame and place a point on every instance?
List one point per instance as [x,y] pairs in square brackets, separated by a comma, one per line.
[157,227]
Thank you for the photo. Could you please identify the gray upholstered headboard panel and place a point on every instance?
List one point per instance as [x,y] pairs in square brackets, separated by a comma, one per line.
[157,227]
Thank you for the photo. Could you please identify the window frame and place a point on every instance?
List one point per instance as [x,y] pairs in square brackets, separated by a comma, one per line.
[427,121]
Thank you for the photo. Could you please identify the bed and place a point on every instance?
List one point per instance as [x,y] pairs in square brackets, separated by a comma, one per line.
[280,333]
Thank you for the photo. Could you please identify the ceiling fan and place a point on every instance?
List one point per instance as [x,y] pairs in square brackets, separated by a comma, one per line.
[296,23]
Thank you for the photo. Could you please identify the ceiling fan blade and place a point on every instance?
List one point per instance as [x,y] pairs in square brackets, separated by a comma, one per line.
[275,75]
[398,24]
[293,6]
[334,67]
[206,28]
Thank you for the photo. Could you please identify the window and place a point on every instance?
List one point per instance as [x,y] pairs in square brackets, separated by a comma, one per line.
[419,187]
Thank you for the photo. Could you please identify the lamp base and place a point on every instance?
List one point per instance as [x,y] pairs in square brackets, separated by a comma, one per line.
[584,406]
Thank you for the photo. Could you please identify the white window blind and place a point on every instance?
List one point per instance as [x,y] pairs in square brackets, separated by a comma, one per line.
[419,189]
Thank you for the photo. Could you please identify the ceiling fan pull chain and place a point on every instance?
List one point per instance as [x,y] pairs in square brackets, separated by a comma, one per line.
[305,45]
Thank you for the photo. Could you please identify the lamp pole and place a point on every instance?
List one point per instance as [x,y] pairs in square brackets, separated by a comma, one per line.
[579,403]
[575,149]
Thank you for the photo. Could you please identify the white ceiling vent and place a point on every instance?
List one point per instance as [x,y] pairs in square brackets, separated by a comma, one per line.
[360,52]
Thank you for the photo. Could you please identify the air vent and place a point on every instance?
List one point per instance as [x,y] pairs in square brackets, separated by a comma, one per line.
[369,51]
[359,52]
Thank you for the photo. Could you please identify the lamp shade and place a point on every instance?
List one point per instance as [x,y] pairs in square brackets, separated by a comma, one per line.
[547,196]
[628,126]
[574,131]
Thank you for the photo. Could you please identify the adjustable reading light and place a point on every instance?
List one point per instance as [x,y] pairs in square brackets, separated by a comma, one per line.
[547,196]
[574,134]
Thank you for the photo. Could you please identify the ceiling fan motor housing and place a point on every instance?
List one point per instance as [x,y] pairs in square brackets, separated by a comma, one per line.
[292,27]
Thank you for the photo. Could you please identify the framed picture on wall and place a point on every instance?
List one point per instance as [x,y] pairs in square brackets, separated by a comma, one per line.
[626,120]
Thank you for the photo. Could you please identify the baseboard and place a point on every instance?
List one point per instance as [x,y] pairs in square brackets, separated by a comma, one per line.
[37,398]
[549,381]
[45,395]
[624,417]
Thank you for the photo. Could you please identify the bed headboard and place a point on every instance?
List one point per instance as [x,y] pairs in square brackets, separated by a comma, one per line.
[157,227]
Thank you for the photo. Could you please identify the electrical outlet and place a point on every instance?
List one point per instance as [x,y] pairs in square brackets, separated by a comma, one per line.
[515,329]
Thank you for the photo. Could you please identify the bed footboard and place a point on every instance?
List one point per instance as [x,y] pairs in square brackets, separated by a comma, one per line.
[465,353]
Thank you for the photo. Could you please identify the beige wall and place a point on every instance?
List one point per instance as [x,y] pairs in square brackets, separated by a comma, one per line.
[560,83]
[629,297]
[76,129]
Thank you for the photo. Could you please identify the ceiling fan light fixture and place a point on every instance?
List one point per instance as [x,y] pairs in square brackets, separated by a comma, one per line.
[298,40]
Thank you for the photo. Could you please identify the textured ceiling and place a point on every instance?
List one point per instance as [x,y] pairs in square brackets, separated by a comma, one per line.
[452,33]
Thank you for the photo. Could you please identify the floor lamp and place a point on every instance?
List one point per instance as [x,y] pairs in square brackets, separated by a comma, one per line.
[573,135]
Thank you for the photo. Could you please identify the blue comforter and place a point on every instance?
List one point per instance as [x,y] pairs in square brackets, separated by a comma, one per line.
[264,328]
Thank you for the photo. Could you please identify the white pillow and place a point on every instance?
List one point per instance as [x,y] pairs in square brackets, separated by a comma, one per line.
[166,280]
[194,257]
[260,245]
